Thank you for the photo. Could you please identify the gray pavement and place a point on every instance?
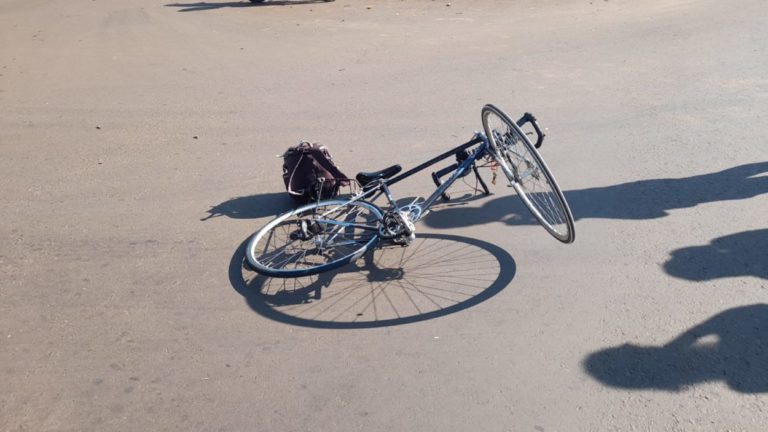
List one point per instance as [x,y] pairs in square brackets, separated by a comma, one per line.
[138,142]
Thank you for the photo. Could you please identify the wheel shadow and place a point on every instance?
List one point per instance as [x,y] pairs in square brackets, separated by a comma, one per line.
[731,347]
[203,6]
[436,275]
[741,254]
[644,199]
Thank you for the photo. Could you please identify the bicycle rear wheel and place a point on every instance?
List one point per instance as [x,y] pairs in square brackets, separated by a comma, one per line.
[528,174]
[314,238]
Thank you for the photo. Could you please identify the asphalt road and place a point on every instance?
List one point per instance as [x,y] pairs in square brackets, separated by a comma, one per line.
[138,142]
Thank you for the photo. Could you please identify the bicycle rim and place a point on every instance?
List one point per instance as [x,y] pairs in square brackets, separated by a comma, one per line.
[314,238]
[528,174]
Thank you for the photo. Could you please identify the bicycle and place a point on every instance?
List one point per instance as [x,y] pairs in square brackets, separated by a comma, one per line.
[325,235]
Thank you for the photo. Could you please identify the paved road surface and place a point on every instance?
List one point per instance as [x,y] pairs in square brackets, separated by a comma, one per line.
[138,142]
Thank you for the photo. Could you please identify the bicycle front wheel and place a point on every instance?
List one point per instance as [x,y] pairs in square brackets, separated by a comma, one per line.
[314,238]
[528,174]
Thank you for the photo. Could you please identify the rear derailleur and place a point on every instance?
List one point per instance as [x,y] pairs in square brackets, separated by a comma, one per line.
[306,230]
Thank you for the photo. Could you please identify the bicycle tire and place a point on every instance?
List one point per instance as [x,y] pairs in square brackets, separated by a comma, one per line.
[330,236]
[528,174]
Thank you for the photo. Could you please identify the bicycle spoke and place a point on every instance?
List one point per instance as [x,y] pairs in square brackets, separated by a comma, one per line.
[528,174]
[303,242]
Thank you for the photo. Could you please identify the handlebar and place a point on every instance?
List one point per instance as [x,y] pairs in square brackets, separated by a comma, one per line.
[529,118]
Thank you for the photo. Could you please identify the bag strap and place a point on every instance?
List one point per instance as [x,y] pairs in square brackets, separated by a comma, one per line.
[322,159]
[290,179]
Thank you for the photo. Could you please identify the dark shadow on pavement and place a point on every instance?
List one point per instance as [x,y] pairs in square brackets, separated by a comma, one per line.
[203,6]
[731,347]
[271,204]
[644,199]
[435,276]
[741,254]
[252,206]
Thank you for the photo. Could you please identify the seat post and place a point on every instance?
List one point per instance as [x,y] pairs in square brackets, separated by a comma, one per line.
[388,195]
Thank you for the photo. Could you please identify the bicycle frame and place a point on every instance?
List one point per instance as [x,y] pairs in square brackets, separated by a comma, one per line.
[472,157]
[329,230]
[382,186]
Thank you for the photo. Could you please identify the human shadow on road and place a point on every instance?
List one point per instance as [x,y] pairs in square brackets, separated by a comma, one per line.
[644,199]
[435,276]
[252,206]
[731,347]
[741,254]
[203,6]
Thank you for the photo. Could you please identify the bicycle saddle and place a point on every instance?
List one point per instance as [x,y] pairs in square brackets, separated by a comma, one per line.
[366,177]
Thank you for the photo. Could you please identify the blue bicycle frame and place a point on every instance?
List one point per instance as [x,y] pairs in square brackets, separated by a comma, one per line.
[466,159]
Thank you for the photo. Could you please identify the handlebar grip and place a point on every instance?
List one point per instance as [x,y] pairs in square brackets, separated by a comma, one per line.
[529,118]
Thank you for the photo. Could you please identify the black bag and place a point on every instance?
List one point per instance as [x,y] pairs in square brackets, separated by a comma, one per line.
[310,174]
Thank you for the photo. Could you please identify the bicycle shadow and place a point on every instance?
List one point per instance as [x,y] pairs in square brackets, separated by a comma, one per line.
[436,275]
[275,203]
[741,254]
[252,206]
[203,6]
[731,347]
[644,199]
